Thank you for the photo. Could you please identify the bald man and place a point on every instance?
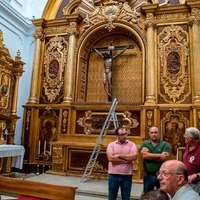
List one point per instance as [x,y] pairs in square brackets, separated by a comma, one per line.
[173,178]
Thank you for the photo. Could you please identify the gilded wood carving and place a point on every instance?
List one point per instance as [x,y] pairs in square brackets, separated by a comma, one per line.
[173,127]
[110,11]
[5,86]
[148,80]
[92,121]
[54,62]
[173,51]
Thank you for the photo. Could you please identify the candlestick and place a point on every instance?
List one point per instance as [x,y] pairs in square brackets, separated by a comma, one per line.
[39,147]
[1,127]
[45,143]
[1,139]
[6,133]
[38,169]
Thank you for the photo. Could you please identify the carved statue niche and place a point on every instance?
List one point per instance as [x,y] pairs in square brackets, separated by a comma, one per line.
[108,64]
[48,130]
[173,130]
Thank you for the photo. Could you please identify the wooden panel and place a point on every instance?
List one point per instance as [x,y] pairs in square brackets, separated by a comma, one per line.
[36,189]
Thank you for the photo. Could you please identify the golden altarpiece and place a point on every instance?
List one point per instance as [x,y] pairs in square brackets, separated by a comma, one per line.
[10,72]
[155,79]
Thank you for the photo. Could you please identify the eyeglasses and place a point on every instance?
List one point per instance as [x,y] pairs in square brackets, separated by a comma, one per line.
[125,134]
[154,132]
[167,174]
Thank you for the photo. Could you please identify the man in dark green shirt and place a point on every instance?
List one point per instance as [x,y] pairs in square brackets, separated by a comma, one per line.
[154,152]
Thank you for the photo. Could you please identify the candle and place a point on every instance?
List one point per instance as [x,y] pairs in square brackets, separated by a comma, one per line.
[39,147]
[50,148]
[45,143]
[6,132]
[2,131]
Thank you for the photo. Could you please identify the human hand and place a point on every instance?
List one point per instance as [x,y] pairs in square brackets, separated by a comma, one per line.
[144,150]
[192,178]
[164,155]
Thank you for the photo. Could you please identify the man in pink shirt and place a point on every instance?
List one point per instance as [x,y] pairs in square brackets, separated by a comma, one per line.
[121,154]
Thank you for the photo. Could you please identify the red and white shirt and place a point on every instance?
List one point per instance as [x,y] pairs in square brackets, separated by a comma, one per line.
[192,159]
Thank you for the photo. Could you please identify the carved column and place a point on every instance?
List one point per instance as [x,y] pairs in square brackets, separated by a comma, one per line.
[34,96]
[18,66]
[68,75]
[195,23]
[150,72]
[15,95]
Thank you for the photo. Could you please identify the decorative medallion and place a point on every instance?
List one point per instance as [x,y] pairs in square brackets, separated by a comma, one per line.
[173,51]
[54,62]
[109,12]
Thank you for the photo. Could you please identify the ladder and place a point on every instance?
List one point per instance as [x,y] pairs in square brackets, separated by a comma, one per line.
[111,117]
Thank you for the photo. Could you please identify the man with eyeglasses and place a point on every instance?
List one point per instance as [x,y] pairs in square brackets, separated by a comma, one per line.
[154,152]
[121,153]
[173,178]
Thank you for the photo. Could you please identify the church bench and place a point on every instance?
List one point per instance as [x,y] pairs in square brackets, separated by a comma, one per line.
[36,189]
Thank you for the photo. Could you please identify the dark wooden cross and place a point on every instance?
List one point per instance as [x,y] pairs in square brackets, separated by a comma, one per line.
[108,61]
[110,48]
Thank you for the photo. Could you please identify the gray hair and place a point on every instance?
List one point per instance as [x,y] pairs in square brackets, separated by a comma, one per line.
[193,133]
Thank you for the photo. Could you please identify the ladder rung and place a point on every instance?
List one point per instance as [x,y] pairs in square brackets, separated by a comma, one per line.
[112,117]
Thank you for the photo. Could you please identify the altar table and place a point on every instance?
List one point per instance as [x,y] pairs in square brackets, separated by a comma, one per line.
[14,151]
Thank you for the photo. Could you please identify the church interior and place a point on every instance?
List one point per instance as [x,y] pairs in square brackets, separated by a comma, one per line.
[59,80]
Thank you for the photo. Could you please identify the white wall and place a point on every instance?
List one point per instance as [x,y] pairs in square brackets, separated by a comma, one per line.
[17,28]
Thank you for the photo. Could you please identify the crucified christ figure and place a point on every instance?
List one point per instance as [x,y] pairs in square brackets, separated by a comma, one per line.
[108,62]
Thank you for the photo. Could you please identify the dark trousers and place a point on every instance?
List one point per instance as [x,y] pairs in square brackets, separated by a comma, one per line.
[119,181]
[150,181]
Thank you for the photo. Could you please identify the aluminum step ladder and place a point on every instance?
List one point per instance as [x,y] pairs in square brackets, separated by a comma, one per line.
[112,117]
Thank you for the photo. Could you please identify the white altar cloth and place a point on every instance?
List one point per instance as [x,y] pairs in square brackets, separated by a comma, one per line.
[14,151]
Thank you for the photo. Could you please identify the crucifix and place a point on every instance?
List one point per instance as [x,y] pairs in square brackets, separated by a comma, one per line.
[108,62]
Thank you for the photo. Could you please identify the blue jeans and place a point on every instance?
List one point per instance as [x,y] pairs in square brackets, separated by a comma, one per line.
[124,182]
[150,182]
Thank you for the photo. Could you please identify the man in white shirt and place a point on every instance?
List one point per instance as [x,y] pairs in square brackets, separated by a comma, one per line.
[173,178]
